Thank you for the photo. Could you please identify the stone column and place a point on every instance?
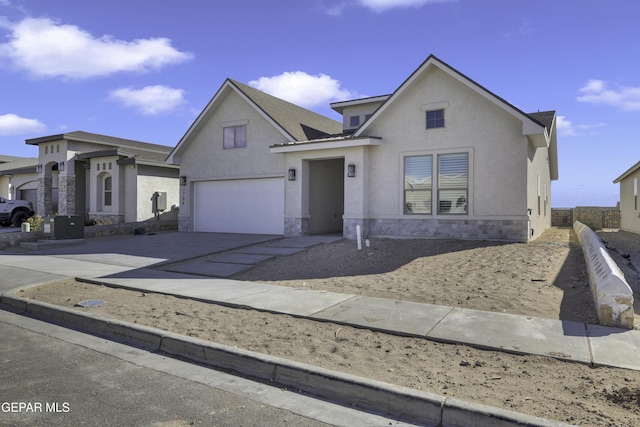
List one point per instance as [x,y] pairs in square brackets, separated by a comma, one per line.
[67,195]
[45,188]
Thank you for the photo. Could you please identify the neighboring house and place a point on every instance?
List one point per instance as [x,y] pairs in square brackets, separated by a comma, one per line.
[629,203]
[103,178]
[440,157]
[18,179]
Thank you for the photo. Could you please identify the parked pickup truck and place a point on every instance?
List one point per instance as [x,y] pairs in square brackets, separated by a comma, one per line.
[15,211]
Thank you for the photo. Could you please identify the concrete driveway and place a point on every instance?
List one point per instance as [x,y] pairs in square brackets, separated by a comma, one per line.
[140,251]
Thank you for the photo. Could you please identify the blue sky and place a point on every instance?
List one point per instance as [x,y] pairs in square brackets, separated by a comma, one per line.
[144,69]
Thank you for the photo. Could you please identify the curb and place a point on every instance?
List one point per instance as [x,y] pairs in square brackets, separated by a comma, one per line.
[401,403]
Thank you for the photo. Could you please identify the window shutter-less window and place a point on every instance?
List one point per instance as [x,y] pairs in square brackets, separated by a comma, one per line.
[418,184]
[453,173]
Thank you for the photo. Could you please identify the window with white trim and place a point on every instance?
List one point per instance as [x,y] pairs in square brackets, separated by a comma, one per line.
[453,183]
[354,121]
[234,137]
[418,183]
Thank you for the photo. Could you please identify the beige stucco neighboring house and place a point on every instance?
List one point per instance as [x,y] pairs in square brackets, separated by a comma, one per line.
[629,203]
[17,178]
[440,157]
[104,178]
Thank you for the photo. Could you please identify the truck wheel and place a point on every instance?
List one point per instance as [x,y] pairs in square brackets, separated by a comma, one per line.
[19,217]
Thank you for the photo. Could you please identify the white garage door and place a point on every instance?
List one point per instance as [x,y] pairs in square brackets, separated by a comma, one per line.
[240,206]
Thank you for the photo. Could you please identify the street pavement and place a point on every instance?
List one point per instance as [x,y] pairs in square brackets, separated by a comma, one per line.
[52,376]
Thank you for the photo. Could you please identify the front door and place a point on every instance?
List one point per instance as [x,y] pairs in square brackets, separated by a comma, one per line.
[326,196]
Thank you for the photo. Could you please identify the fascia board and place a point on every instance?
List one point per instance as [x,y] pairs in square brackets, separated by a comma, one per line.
[173,158]
[327,145]
[529,126]
[628,172]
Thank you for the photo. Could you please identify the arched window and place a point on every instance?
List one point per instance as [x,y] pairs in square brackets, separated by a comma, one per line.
[107,191]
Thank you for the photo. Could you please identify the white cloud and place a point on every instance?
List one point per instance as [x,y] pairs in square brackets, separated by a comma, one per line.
[598,92]
[384,5]
[12,124]
[46,48]
[149,100]
[303,89]
[564,126]
[378,6]
[567,128]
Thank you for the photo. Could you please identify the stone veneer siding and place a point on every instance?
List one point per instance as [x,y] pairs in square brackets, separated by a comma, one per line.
[110,218]
[184,223]
[504,230]
[294,227]
[507,230]
[67,195]
[44,204]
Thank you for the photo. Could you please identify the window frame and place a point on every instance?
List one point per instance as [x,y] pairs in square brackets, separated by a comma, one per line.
[107,190]
[406,210]
[437,119]
[436,189]
[232,131]
[462,201]
[354,121]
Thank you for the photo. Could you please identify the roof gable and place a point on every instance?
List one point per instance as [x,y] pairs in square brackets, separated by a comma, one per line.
[293,122]
[628,172]
[530,125]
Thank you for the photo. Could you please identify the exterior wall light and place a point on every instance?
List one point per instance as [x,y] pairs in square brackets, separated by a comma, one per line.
[61,166]
[351,170]
[39,169]
[292,174]
[183,181]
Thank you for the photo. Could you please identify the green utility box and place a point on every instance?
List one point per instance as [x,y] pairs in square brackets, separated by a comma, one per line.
[64,227]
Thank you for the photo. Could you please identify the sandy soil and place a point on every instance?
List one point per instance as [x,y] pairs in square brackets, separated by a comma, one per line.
[546,278]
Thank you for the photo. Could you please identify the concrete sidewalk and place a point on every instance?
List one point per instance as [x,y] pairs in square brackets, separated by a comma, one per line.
[572,341]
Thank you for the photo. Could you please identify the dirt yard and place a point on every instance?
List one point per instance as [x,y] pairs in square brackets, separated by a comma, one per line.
[546,278]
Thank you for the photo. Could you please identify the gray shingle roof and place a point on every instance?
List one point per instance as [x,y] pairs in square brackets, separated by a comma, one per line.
[543,117]
[300,123]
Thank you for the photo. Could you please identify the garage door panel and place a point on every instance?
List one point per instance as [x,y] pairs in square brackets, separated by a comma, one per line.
[240,206]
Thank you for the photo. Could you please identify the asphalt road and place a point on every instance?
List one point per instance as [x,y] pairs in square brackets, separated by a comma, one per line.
[51,376]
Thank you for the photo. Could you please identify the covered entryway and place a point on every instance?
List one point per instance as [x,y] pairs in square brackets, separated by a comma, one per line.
[326,196]
[239,206]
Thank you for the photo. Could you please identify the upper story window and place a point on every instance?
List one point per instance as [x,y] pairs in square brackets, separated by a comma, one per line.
[235,137]
[435,119]
[354,121]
